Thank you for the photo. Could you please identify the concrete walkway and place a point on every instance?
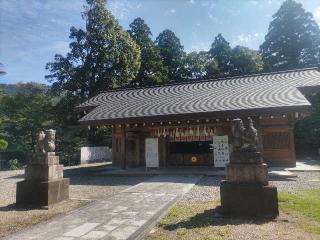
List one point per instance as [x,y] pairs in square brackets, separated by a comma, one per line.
[127,215]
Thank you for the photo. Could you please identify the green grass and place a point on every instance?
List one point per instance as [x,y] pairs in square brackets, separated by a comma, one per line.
[304,203]
[196,221]
[190,221]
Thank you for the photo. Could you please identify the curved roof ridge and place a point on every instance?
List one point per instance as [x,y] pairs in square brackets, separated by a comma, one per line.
[193,81]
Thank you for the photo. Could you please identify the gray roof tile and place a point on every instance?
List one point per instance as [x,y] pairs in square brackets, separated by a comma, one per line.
[256,92]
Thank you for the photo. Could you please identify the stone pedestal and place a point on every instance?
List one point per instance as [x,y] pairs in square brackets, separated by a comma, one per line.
[44,184]
[245,192]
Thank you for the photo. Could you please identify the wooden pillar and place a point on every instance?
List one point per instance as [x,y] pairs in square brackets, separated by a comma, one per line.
[124,148]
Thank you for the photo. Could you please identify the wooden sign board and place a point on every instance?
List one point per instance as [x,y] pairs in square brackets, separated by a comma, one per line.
[220,151]
[152,153]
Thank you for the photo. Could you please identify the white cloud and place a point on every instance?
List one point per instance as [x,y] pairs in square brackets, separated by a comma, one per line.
[246,39]
[198,46]
[208,4]
[122,9]
[192,1]
[317,14]
[170,11]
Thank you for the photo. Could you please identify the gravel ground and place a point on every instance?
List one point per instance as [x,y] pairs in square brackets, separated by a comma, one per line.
[207,188]
[303,181]
[8,181]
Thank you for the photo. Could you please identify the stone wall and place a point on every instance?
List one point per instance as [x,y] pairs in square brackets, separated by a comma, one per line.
[95,154]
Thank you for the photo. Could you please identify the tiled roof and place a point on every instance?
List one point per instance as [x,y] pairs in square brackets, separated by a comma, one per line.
[255,93]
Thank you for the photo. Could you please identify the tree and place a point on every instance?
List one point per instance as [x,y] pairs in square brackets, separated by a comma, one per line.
[200,65]
[152,70]
[307,130]
[222,53]
[245,61]
[24,114]
[172,53]
[102,56]
[293,39]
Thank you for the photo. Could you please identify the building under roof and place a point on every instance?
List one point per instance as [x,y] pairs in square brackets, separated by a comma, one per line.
[273,100]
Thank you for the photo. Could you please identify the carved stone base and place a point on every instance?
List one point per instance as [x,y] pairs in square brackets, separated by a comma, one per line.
[44,159]
[247,173]
[45,193]
[246,157]
[43,172]
[248,200]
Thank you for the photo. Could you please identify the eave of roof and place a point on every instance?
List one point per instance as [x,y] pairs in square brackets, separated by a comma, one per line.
[195,116]
[229,97]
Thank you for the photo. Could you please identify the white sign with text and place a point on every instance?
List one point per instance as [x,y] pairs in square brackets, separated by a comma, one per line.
[221,154]
[152,153]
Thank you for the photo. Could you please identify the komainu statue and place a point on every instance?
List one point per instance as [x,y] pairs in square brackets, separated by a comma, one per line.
[46,141]
[40,142]
[244,139]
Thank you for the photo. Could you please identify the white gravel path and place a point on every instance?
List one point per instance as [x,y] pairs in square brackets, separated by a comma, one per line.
[208,189]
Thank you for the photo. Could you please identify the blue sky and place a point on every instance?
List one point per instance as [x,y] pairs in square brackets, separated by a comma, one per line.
[32,31]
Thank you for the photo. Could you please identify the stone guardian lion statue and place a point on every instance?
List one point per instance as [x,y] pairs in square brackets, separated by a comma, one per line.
[46,141]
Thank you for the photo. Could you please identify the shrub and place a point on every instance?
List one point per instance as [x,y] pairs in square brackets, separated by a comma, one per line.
[3,144]
[14,164]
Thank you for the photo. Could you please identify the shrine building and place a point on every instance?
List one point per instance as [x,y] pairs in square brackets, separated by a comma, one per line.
[185,117]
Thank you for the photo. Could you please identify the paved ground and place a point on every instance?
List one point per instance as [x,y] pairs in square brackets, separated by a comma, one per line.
[127,214]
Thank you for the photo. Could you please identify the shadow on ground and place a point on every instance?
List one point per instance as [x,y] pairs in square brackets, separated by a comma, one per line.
[14,207]
[212,217]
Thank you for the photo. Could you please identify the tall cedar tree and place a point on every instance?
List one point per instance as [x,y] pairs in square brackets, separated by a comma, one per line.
[152,70]
[221,51]
[172,53]
[103,56]
[293,40]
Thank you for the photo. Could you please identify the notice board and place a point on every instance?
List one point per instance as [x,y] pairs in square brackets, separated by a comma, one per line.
[152,153]
[221,153]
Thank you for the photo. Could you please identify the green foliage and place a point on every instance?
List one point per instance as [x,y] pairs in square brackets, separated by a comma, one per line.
[9,89]
[293,39]
[245,61]
[102,56]
[232,61]
[152,70]
[69,137]
[221,51]
[172,54]
[3,144]
[14,164]
[200,65]
[24,114]
[307,130]
[69,142]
